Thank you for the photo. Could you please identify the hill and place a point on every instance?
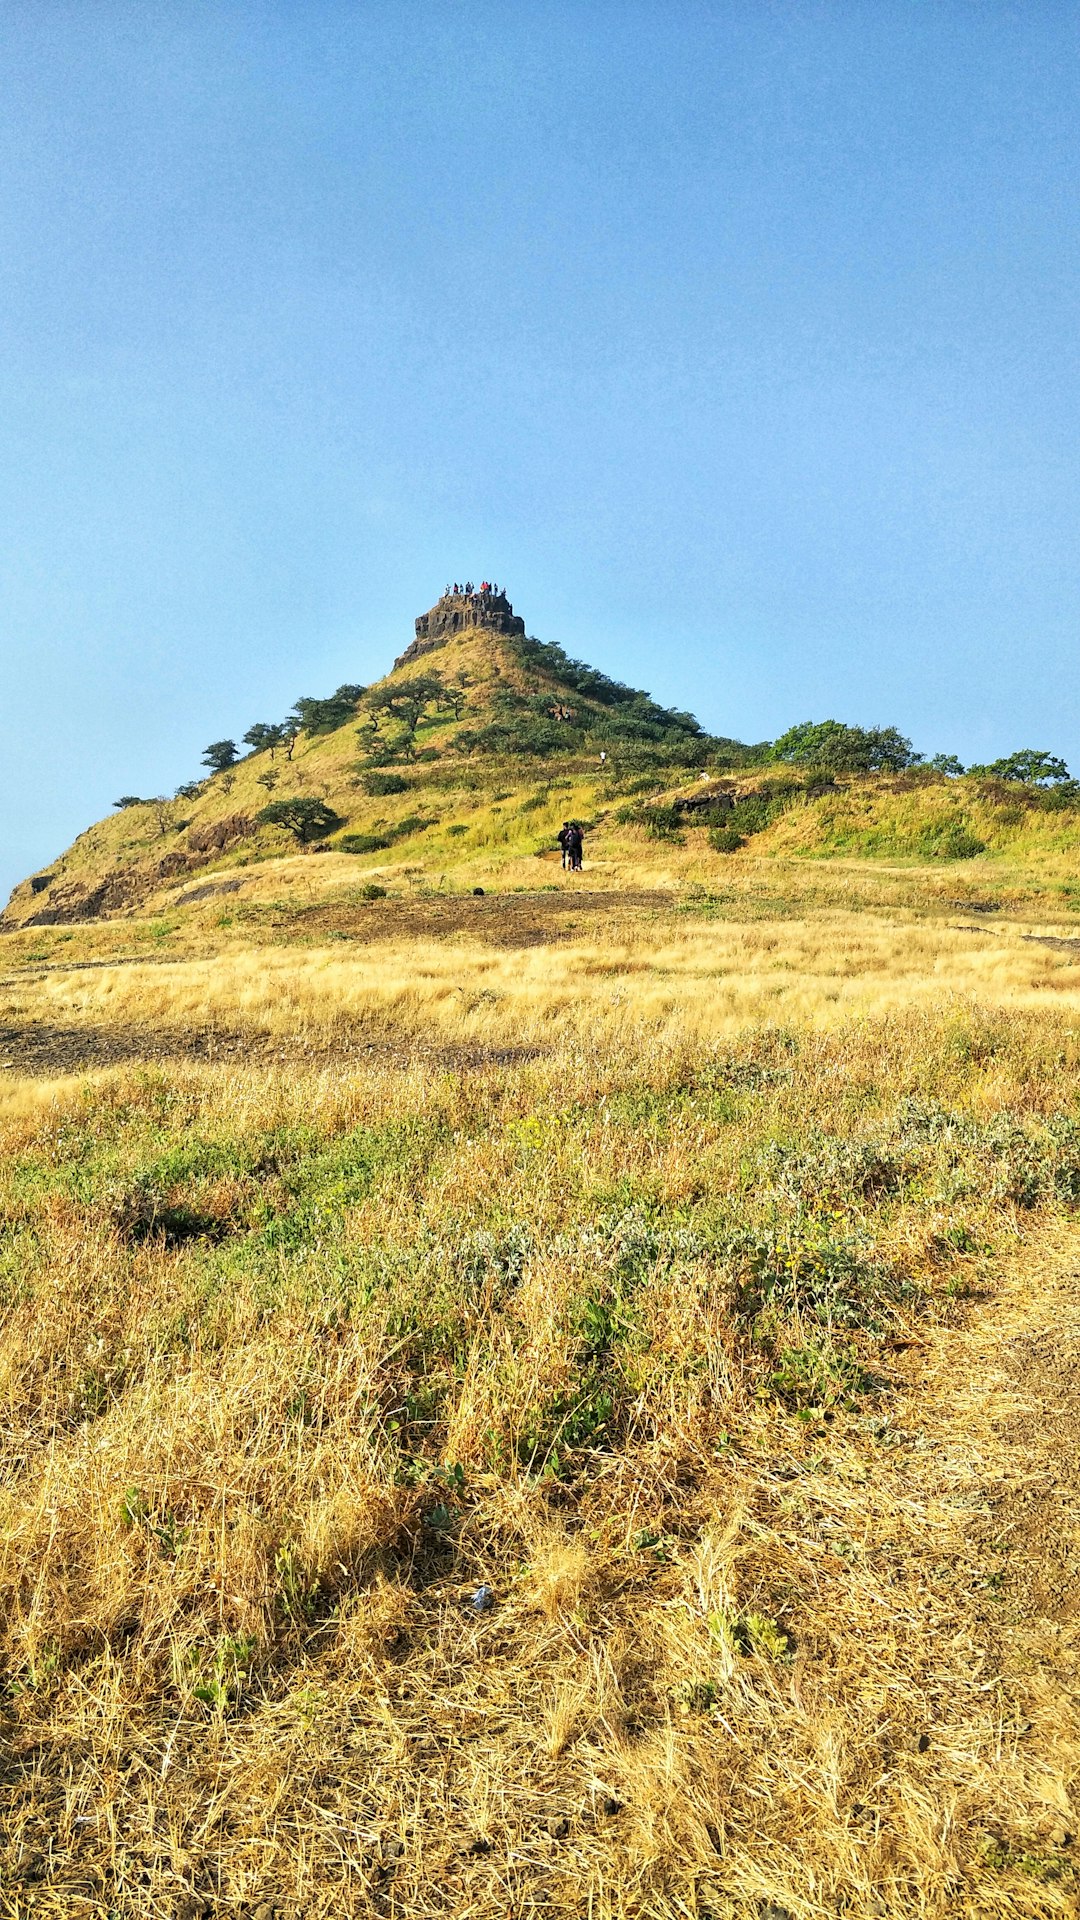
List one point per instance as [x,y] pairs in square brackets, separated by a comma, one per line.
[417,764]
[458,766]
[536,1394]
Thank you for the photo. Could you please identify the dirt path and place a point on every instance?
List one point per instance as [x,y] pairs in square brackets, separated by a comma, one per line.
[994,1466]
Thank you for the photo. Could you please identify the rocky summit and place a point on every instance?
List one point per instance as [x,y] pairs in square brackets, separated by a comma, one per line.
[461,611]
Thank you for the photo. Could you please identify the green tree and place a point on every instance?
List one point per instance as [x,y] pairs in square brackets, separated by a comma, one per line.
[946,763]
[306,818]
[220,754]
[264,737]
[831,744]
[325,716]
[408,701]
[1032,767]
[129,800]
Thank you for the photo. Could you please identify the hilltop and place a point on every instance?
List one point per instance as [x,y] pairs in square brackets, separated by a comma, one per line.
[456,768]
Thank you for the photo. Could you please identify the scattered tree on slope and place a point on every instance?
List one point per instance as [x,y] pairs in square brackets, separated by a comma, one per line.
[307,819]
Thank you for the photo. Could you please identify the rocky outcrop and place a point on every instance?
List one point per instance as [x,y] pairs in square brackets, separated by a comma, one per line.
[460,613]
[216,835]
[70,900]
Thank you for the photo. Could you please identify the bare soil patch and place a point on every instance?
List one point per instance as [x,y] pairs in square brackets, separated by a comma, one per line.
[38,1051]
[498,919]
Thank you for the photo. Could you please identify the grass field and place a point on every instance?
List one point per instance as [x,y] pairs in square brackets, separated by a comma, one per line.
[543,1407]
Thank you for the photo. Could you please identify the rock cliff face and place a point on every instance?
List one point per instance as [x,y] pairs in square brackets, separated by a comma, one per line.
[458,613]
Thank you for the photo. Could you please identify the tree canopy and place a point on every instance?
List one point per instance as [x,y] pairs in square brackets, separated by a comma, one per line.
[325,716]
[220,754]
[1032,766]
[265,736]
[838,748]
[306,818]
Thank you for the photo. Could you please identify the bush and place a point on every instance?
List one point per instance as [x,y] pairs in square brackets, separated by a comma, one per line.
[373,891]
[379,784]
[725,839]
[952,840]
[363,843]
[660,823]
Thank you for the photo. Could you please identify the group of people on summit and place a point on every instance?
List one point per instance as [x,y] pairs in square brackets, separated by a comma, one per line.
[486,588]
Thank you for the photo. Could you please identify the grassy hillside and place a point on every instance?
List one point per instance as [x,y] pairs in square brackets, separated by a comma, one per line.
[468,785]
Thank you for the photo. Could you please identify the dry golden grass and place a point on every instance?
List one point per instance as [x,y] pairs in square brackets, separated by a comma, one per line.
[693,1338]
[697,979]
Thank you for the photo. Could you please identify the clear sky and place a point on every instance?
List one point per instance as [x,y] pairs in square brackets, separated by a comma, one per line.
[739,340]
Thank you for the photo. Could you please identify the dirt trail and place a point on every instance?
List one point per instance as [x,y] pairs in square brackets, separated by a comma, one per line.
[997,1465]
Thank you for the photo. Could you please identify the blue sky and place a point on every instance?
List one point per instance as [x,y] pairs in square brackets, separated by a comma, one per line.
[740,341]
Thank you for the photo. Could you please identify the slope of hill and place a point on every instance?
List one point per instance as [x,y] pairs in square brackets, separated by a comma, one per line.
[417,766]
[460,764]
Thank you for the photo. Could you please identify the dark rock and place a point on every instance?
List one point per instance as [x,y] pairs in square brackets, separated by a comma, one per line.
[207,891]
[706,803]
[460,613]
[219,834]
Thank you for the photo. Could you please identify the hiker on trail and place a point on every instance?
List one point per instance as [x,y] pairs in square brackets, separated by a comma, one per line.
[563,836]
[576,846]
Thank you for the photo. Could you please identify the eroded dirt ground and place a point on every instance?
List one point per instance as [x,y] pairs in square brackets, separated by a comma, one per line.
[999,1463]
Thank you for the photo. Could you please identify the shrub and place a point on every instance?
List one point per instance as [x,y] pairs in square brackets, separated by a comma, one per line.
[950,841]
[363,843]
[660,823]
[725,839]
[379,784]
